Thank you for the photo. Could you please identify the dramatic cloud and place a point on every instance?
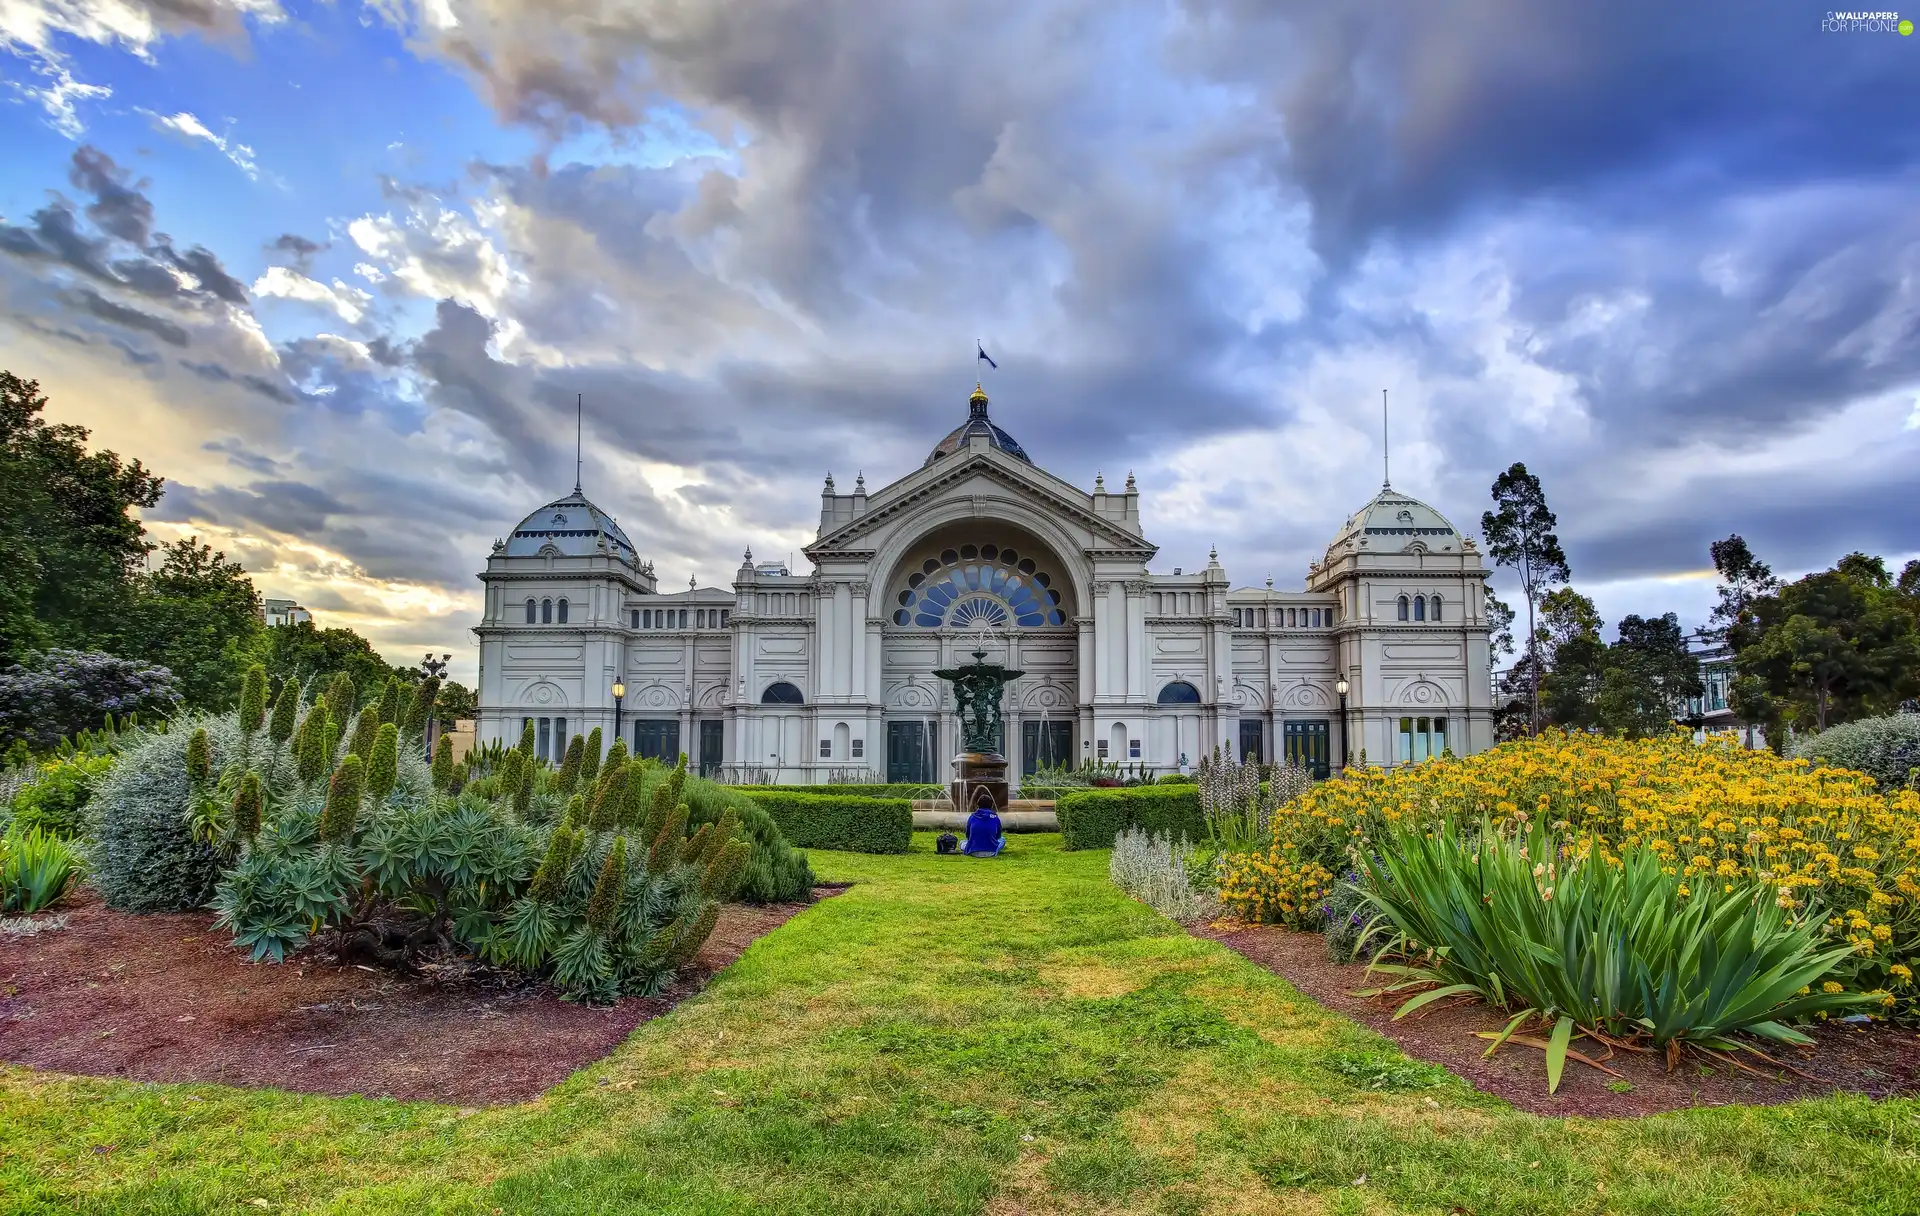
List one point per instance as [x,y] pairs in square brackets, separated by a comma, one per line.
[187,125]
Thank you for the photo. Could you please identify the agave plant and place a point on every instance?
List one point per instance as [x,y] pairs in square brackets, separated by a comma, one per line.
[37,869]
[1621,951]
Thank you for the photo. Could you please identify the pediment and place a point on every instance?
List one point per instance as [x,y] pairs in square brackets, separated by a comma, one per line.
[948,479]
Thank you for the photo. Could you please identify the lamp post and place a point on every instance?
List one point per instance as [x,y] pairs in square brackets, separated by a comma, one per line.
[433,669]
[619,695]
[1346,744]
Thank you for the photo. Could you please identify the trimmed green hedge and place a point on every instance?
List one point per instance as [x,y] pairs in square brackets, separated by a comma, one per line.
[852,790]
[1090,819]
[839,821]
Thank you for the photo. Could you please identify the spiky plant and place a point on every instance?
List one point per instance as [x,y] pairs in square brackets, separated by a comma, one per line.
[309,761]
[457,780]
[421,707]
[693,934]
[443,764]
[604,904]
[330,739]
[365,727]
[526,739]
[248,803]
[724,871]
[570,766]
[523,791]
[693,849]
[390,700]
[633,799]
[590,761]
[383,765]
[665,853]
[199,758]
[617,754]
[343,802]
[253,699]
[342,697]
[286,712]
[562,847]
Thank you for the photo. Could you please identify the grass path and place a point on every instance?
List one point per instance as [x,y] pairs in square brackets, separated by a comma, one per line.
[954,1036]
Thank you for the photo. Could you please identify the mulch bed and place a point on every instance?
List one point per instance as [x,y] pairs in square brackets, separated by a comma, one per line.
[1877,1060]
[167,998]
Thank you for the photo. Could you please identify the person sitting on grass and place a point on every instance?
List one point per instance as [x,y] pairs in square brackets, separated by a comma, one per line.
[984,837]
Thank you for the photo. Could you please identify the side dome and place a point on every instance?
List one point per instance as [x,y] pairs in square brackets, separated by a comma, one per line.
[1394,523]
[977,423]
[572,525]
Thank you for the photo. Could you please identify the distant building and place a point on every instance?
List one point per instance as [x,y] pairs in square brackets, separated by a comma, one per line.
[282,612]
[1711,712]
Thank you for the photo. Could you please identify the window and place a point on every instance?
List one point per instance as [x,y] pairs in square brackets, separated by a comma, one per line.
[683,618]
[781,693]
[700,618]
[859,749]
[646,619]
[563,612]
[1293,617]
[723,618]
[1308,743]
[530,616]
[1263,616]
[1435,610]
[826,749]
[1179,692]
[1101,746]
[1422,739]
[1236,618]
[1133,749]
[544,742]
[1316,618]
[559,739]
[1252,736]
[657,739]
[636,618]
[1402,614]
[546,612]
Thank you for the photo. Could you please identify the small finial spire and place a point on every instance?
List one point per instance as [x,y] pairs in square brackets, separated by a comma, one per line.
[1213,553]
[1269,582]
[1131,488]
[690,583]
[859,483]
[829,488]
[1386,471]
[579,428]
[747,558]
[1099,483]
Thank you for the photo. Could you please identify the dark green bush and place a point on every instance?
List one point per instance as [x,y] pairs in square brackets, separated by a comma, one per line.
[1886,749]
[776,872]
[840,821]
[899,789]
[1090,819]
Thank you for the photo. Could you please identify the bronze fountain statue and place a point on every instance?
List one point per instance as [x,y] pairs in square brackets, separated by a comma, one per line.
[977,689]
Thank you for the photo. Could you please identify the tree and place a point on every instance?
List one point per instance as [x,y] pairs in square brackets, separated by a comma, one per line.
[1836,645]
[1568,639]
[1649,671]
[1744,578]
[69,549]
[457,702]
[1520,536]
[301,652]
[1499,629]
[195,616]
[59,693]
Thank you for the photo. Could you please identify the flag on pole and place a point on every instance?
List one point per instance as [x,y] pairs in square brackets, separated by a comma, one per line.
[981,353]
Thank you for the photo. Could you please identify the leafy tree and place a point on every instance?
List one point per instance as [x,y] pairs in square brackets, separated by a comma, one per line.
[1569,638]
[1649,671]
[1744,578]
[195,615]
[456,703]
[301,652]
[1837,645]
[69,549]
[1520,536]
[62,692]
[1499,629]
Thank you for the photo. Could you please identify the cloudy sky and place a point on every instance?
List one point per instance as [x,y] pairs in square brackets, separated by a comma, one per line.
[338,270]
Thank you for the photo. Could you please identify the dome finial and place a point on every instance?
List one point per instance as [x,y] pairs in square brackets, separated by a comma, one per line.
[977,402]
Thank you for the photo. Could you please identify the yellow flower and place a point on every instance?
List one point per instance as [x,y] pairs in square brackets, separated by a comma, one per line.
[1830,987]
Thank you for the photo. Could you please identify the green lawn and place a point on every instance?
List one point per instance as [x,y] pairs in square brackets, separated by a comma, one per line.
[953,1035]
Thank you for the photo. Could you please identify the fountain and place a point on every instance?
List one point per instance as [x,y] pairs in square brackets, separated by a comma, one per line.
[977,687]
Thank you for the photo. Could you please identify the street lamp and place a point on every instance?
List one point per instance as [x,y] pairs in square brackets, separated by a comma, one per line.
[1346,745]
[619,694]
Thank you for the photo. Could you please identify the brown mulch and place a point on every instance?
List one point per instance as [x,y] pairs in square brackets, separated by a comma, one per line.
[1876,1059]
[167,997]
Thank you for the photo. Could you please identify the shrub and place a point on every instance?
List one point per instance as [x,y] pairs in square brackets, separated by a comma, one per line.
[55,799]
[1091,819]
[899,789]
[36,870]
[1886,749]
[774,871]
[1824,840]
[840,821]
[145,857]
[63,692]
[1617,947]
[1177,779]
[1153,868]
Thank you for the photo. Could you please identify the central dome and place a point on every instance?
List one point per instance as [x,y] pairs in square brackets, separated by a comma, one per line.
[571,525]
[977,423]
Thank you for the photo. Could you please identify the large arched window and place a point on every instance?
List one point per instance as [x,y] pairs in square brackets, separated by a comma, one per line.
[781,693]
[1403,608]
[532,613]
[1179,692]
[563,612]
[546,612]
[972,583]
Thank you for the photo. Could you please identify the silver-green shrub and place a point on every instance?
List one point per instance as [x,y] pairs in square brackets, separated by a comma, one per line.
[1886,749]
[144,857]
[1153,869]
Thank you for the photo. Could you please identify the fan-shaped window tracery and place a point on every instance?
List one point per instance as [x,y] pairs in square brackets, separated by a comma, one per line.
[966,585]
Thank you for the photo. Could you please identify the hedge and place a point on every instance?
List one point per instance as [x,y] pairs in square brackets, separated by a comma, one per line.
[903,789]
[1090,819]
[839,821]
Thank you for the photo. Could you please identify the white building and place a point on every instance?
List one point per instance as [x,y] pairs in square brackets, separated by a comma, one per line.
[812,677]
[282,612]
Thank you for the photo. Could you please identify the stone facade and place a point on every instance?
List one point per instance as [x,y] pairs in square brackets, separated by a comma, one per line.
[822,676]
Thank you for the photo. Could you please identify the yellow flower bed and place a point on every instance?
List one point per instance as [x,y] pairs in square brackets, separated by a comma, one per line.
[1823,839]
